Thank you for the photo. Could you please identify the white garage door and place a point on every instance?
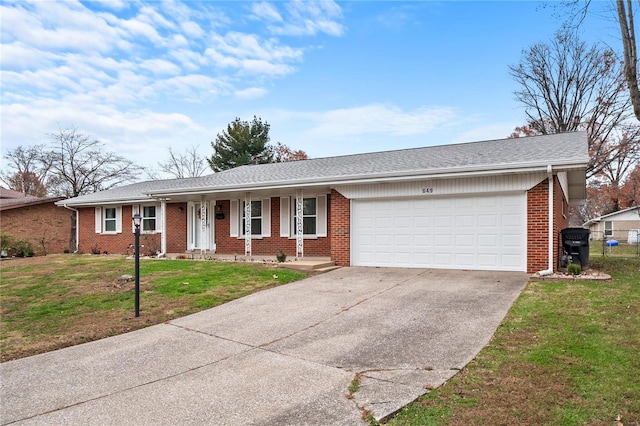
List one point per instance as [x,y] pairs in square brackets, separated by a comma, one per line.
[482,232]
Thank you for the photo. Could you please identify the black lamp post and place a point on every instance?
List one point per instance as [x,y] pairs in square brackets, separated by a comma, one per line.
[137,219]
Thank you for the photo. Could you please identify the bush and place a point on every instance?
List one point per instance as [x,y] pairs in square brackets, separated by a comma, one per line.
[574,268]
[22,248]
[5,242]
[281,256]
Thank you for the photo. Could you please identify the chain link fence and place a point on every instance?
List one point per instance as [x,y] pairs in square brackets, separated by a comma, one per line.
[618,242]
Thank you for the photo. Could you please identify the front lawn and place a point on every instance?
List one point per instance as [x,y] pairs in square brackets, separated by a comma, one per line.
[55,301]
[566,354]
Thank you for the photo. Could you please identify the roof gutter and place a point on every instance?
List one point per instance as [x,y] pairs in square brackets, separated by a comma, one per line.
[377,178]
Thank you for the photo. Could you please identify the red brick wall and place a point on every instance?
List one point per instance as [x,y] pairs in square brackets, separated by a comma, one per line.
[176,222]
[537,224]
[560,218]
[42,223]
[120,243]
[269,246]
[340,231]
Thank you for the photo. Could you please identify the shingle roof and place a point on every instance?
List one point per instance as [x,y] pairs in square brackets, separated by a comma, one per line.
[493,155]
[10,199]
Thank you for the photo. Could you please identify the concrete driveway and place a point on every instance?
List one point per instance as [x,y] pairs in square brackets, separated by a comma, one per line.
[284,356]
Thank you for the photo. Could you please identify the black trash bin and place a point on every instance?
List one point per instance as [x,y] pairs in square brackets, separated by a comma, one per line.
[575,242]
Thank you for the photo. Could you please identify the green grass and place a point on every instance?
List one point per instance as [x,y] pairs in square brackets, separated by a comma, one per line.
[597,248]
[60,300]
[566,354]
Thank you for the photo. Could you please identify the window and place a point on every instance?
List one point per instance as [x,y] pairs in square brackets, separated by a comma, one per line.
[608,228]
[256,218]
[110,220]
[148,218]
[314,216]
[309,216]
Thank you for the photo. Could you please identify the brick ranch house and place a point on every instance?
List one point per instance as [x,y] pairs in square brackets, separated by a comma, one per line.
[35,219]
[490,205]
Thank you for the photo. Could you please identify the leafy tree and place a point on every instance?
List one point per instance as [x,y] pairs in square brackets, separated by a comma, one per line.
[27,183]
[566,86]
[630,192]
[283,153]
[25,166]
[184,165]
[241,144]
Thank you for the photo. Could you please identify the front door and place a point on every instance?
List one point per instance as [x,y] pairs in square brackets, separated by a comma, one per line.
[200,226]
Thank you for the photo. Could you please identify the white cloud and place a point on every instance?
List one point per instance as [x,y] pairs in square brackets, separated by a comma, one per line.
[124,71]
[310,18]
[266,11]
[160,66]
[380,119]
[250,93]
[250,54]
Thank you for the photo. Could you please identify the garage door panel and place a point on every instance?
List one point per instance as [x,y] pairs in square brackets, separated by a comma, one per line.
[473,232]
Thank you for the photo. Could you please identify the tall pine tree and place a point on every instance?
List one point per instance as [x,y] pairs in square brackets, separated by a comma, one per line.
[242,143]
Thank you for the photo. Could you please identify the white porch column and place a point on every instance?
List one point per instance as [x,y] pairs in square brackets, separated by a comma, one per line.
[247,224]
[203,226]
[299,224]
[163,225]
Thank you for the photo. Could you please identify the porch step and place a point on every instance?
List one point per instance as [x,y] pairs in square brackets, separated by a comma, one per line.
[309,265]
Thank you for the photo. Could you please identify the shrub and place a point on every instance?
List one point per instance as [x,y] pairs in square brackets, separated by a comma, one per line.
[281,256]
[574,268]
[95,249]
[22,248]
[5,241]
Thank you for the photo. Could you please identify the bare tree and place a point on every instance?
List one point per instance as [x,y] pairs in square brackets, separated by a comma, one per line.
[624,153]
[80,165]
[26,165]
[184,165]
[625,18]
[567,86]
[574,14]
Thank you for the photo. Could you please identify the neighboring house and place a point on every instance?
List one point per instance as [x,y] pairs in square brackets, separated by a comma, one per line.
[623,226]
[35,219]
[491,205]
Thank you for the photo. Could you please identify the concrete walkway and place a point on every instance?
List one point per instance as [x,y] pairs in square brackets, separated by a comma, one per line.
[284,356]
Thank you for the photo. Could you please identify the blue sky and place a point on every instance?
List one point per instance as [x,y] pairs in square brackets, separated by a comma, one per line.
[331,78]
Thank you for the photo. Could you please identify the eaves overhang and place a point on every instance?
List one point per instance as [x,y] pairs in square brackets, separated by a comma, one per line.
[113,201]
[425,174]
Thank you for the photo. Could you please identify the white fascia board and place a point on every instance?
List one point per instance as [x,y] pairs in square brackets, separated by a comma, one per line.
[106,202]
[461,172]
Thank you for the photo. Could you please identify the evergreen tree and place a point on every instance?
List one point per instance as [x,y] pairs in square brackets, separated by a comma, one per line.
[241,144]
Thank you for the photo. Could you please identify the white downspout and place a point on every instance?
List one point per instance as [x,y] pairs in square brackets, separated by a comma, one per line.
[549,269]
[77,226]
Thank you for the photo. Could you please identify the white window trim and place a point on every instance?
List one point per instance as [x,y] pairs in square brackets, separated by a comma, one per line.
[100,220]
[139,208]
[288,217]
[237,216]
[608,232]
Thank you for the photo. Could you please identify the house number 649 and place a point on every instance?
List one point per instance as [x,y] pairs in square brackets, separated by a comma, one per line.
[427,190]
